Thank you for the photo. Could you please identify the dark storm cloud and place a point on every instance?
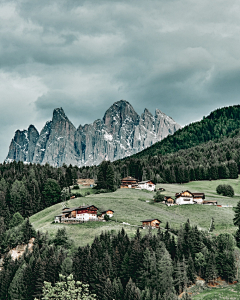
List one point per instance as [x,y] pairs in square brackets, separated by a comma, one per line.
[179,56]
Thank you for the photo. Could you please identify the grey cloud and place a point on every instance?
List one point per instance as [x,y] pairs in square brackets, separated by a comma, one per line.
[179,56]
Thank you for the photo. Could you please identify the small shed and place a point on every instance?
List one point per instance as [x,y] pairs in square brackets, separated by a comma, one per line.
[108,212]
[58,218]
[208,202]
[153,223]
[169,201]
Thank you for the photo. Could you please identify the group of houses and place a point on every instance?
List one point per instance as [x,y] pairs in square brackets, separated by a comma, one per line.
[82,213]
[87,213]
[187,197]
[130,182]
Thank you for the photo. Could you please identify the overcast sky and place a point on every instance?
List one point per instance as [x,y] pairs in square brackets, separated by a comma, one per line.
[182,57]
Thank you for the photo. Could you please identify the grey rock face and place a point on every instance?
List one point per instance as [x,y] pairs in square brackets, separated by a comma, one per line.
[121,132]
[23,144]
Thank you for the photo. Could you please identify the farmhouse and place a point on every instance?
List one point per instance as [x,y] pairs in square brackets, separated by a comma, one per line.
[77,214]
[153,223]
[147,185]
[129,182]
[184,198]
[189,198]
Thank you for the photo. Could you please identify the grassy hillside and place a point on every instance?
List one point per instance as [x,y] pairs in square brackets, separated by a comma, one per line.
[130,206]
[230,292]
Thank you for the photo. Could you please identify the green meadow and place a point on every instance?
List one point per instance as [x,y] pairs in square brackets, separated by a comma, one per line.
[131,206]
[231,292]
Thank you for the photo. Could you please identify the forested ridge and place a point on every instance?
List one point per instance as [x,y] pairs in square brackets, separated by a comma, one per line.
[219,123]
[29,188]
[205,150]
[150,266]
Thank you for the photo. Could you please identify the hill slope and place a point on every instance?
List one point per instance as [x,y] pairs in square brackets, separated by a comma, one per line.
[130,206]
[219,123]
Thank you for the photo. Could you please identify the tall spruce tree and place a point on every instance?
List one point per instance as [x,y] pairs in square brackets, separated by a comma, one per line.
[110,180]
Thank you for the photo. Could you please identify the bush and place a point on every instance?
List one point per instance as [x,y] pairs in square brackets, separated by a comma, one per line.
[76,187]
[225,190]
[158,197]
[106,217]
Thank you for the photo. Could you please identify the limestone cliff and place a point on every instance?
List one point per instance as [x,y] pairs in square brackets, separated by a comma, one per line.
[121,132]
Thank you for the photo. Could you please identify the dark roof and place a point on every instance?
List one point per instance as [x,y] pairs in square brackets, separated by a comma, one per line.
[86,206]
[150,220]
[144,181]
[198,195]
[78,207]
[70,209]
[130,178]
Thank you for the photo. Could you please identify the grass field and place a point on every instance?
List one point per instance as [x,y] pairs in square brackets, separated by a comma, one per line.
[231,292]
[130,206]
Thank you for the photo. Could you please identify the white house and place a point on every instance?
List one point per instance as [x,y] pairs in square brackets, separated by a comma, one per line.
[198,198]
[80,213]
[189,198]
[146,185]
[184,198]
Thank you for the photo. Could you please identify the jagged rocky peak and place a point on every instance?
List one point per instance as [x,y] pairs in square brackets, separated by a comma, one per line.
[121,112]
[59,115]
[33,133]
[120,133]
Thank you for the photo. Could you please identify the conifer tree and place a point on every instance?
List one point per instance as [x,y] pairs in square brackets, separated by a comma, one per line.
[108,290]
[211,270]
[191,273]
[131,291]
[237,237]
[51,192]
[4,211]
[38,278]
[28,231]
[134,258]
[117,289]
[165,276]
[236,219]
[66,267]
[125,274]
[110,180]
[146,295]
[17,288]
[145,271]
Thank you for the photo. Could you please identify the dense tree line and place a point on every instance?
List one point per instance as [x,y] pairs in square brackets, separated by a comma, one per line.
[208,161]
[152,266]
[29,188]
[220,123]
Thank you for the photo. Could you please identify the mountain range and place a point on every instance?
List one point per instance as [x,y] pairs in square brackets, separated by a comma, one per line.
[120,133]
